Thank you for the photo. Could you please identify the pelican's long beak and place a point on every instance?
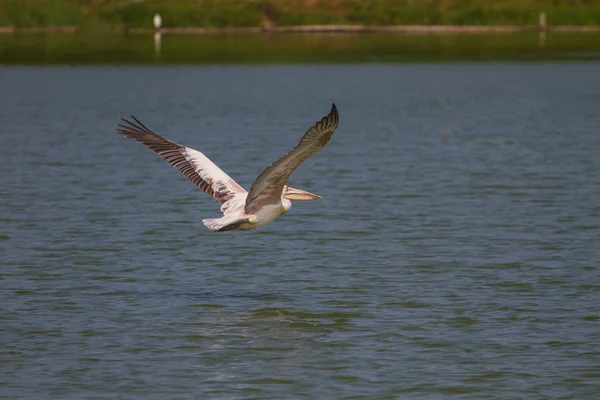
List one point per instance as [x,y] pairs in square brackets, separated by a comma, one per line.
[297,194]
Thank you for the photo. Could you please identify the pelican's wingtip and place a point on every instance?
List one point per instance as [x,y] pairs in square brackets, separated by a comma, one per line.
[334,114]
[334,111]
[118,126]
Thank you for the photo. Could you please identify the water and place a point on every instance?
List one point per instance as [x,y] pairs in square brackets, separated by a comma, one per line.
[454,254]
[81,48]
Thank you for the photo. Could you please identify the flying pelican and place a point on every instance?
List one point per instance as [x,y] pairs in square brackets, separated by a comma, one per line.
[269,196]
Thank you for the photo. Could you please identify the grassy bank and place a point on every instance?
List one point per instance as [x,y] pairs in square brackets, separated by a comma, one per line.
[120,14]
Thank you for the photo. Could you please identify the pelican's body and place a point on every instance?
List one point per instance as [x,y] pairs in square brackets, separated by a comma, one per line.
[269,196]
[240,220]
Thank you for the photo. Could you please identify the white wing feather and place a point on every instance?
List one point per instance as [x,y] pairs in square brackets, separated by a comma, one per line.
[193,164]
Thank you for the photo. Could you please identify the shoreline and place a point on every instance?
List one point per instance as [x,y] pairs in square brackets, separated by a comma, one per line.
[400,29]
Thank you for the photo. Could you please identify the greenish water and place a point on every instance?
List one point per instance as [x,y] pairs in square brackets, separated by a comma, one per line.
[455,253]
[292,48]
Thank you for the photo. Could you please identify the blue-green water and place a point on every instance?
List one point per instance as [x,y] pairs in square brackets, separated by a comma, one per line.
[95,49]
[455,253]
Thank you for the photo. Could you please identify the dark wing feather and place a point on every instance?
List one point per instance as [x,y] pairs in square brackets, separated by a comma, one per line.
[193,164]
[267,188]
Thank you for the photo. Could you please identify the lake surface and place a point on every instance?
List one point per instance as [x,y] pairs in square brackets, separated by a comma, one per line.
[455,252]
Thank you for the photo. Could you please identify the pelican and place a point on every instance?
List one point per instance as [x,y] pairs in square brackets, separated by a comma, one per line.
[269,196]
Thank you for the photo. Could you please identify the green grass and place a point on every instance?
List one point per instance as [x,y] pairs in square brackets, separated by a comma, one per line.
[103,14]
[225,13]
[41,13]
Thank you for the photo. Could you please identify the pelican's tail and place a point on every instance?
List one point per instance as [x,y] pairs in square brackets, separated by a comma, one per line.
[213,223]
[223,224]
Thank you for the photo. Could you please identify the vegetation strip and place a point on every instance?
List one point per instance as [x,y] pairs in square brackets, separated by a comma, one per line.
[108,15]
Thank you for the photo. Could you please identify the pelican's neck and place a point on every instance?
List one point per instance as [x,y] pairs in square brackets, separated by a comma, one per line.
[286,204]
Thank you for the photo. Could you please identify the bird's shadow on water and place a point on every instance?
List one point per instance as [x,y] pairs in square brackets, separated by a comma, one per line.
[270,305]
[273,312]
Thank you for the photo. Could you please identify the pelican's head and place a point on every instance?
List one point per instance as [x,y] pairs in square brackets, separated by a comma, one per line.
[297,194]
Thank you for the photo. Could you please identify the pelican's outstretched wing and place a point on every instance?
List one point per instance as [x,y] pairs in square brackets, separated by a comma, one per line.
[193,164]
[267,188]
